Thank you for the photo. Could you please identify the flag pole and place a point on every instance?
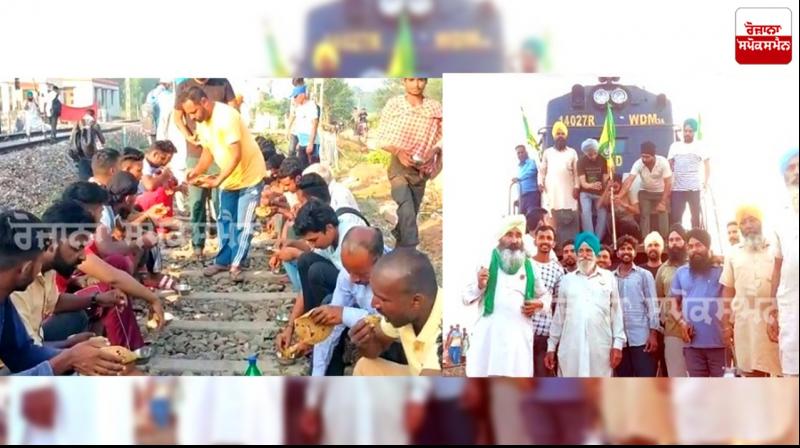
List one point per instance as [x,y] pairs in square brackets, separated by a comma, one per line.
[613,213]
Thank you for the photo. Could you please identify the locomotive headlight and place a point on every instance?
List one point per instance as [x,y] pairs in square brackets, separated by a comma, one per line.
[619,95]
[390,8]
[600,96]
[420,8]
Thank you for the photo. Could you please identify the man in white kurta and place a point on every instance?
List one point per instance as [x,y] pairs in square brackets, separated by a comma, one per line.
[366,411]
[236,410]
[787,270]
[502,341]
[587,330]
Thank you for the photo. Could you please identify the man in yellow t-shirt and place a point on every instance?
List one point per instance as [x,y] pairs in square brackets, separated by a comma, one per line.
[227,142]
[404,291]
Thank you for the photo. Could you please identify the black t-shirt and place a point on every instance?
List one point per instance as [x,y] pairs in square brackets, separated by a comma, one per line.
[653,271]
[217,89]
[594,170]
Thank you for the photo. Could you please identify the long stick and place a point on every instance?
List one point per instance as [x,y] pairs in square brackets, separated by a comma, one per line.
[613,216]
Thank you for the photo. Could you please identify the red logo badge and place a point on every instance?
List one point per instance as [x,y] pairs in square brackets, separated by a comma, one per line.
[763,35]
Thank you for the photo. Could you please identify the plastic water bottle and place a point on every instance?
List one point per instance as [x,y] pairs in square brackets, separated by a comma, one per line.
[252,368]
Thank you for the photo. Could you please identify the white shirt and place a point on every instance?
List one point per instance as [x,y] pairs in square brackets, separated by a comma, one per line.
[558,173]
[346,222]
[341,196]
[80,417]
[304,115]
[688,158]
[788,294]
[652,180]
[365,411]
[232,410]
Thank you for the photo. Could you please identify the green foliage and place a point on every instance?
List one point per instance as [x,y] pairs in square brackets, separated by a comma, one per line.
[338,101]
[378,157]
[139,90]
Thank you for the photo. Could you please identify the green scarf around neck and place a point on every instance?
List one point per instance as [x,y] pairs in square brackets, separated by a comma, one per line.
[491,285]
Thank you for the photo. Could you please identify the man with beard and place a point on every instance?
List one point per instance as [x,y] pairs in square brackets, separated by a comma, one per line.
[405,293]
[674,363]
[587,329]
[569,261]
[217,89]
[503,338]
[227,141]
[745,287]
[60,320]
[548,272]
[733,233]
[784,319]
[637,291]
[20,263]
[653,247]
[558,178]
[605,259]
[696,291]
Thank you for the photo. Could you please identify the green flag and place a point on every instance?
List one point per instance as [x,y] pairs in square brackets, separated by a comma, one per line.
[403,62]
[278,68]
[529,137]
[699,133]
[608,138]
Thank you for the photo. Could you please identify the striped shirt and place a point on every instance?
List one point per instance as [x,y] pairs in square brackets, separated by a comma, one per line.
[688,169]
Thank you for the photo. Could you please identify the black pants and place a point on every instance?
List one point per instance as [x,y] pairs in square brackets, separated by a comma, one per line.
[447,423]
[408,189]
[53,126]
[317,278]
[637,363]
[84,168]
[529,201]
[539,351]
[63,325]
[679,201]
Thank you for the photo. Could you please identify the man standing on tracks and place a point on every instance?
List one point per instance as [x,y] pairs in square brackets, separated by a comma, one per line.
[306,126]
[53,109]
[691,167]
[745,287]
[529,196]
[217,90]
[593,176]
[785,287]
[558,178]
[227,142]
[411,130]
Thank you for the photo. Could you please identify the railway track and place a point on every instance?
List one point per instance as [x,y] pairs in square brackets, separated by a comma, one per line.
[219,324]
[18,141]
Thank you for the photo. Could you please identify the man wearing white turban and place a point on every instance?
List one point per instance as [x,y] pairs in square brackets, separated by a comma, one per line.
[502,342]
